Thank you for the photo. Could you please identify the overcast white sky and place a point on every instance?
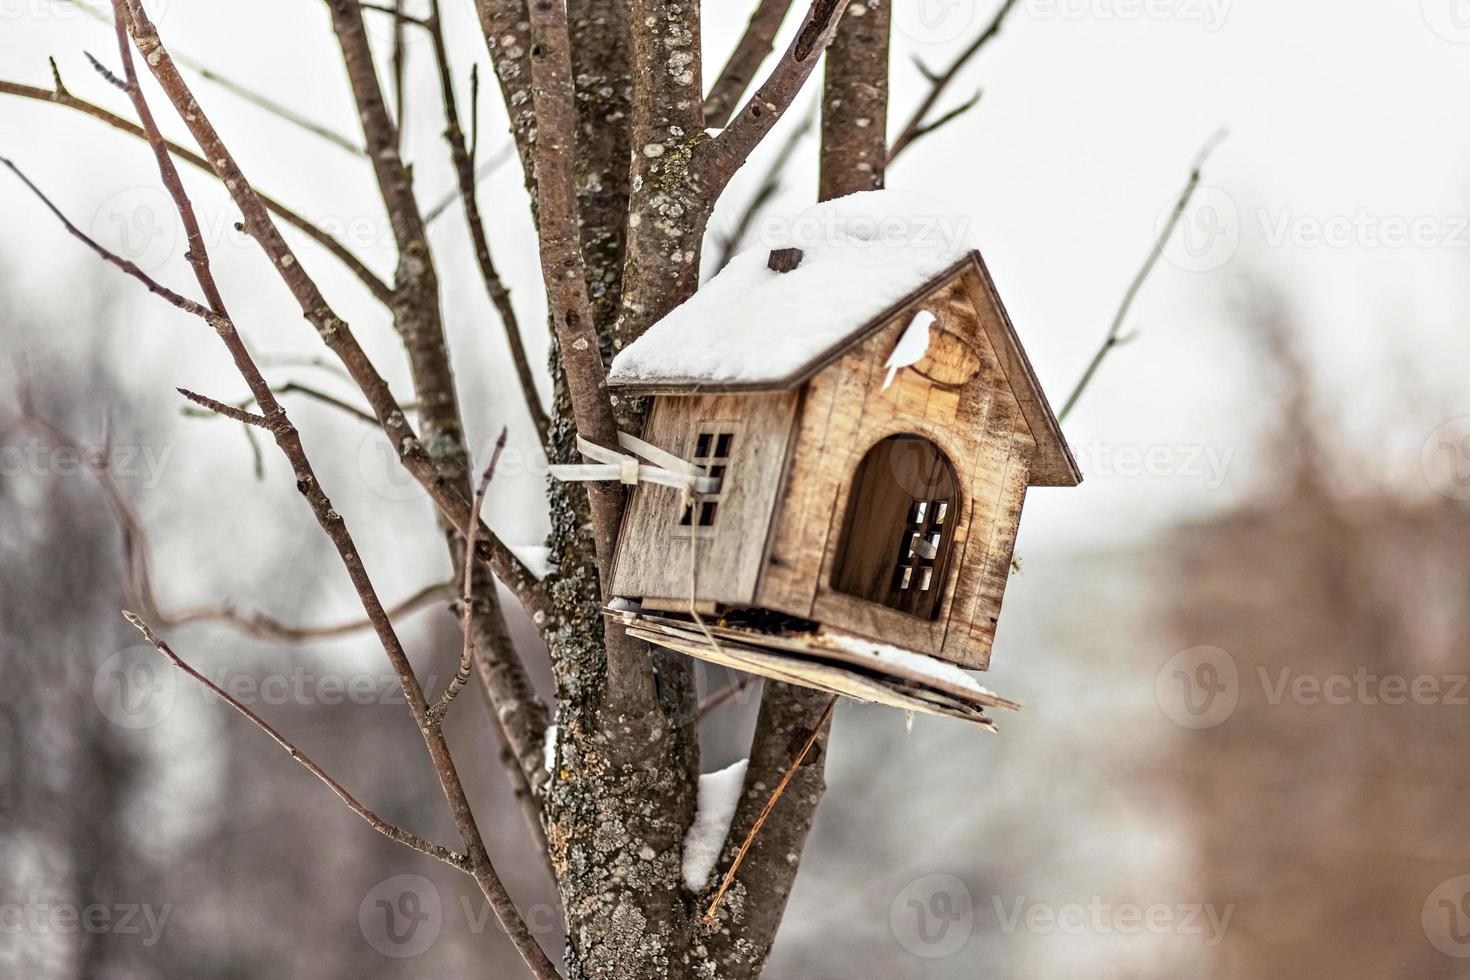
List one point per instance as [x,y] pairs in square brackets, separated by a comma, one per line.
[1343,137]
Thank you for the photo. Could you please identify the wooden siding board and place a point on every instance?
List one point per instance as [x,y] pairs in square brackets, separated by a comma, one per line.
[654,559]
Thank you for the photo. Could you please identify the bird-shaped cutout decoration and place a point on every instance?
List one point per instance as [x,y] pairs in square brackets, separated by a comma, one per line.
[911,347]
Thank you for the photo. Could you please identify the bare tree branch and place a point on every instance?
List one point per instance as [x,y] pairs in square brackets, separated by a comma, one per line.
[154,286]
[418,319]
[1115,337]
[939,81]
[561,258]
[464,168]
[769,187]
[228,411]
[389,830]
[132,18]
[943,120]
[333,330]
[726,153]
[61,97]
[754,46]
[471,530]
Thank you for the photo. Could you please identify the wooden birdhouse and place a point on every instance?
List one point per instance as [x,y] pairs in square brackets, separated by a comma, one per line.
[866,425]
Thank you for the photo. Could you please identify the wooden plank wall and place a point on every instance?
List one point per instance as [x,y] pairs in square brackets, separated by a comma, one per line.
[979,425]
[654,552]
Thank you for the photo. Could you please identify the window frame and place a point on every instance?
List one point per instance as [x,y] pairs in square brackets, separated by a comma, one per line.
[707,456]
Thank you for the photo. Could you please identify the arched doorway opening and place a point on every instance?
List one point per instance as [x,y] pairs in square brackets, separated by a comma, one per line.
[899,527]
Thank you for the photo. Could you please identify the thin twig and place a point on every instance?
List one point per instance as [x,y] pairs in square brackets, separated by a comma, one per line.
[235,88]
[714,905]
[105,72]
[138,560]
[943,120]
[389,830]
[302,360]
[710,704]
[464,168]
[482,171]
[228,411]
[297,388]
[62,97]
[399,67]
[754,46]
[1115,337]
[275,108]
[939,81]
[722,156]
[154,286]
[467,596]
[769,187]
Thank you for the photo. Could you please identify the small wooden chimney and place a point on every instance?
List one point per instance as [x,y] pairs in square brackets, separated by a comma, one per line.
[783,259]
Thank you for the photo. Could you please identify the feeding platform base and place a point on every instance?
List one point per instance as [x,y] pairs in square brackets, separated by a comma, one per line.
[820,658]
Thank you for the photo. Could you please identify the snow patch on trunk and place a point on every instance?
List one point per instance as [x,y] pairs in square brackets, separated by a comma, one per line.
[719,792]
[548,749]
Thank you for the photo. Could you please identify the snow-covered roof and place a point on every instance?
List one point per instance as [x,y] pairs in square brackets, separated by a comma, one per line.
[750,326]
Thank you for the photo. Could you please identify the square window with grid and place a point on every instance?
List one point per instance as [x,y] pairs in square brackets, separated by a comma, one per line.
[712,448]
[920,546]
